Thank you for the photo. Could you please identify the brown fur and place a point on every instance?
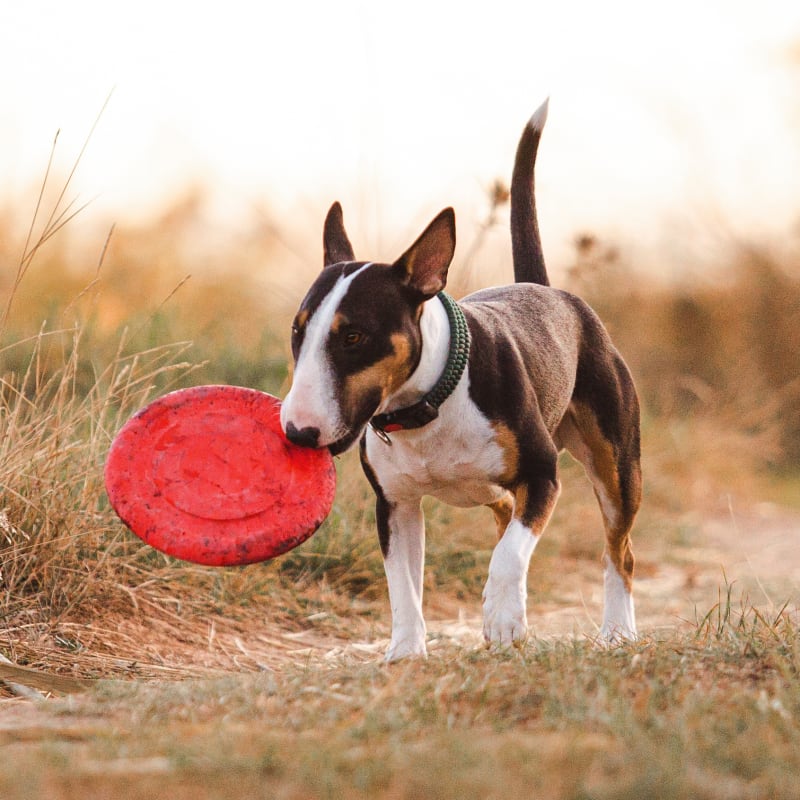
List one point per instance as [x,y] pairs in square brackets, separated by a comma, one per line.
[580,433]
[388,374]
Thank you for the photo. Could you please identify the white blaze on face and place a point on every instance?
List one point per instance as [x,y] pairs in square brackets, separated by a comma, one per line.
[312,401]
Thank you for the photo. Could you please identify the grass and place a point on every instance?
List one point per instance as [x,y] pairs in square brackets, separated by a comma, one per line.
[265,681]
[706,714]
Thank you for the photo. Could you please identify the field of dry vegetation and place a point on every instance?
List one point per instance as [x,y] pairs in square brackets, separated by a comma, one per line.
[155,678]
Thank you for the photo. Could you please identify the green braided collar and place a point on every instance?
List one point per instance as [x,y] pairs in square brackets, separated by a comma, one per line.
[427,409]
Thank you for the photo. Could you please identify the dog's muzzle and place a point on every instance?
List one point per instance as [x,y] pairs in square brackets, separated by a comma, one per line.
[304,437]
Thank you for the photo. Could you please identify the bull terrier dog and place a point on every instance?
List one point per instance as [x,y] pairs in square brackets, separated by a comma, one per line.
[469,402]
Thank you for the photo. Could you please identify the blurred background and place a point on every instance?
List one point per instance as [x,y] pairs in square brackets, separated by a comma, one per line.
[668,128]
[668,170]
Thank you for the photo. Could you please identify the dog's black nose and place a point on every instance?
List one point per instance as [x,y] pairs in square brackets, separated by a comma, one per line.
[305,437]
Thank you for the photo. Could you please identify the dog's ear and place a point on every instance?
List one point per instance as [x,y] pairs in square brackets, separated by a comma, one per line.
[336,245]
[424,265]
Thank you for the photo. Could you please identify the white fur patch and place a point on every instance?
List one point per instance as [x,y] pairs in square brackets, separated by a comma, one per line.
[506,592]
[539,117]
[312,400]
[619,618]
[462,473]
[609,509]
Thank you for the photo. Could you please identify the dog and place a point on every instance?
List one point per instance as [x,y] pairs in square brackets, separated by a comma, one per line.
[469,402]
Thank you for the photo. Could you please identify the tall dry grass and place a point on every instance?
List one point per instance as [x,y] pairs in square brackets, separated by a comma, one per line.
[88,335]
[64,391]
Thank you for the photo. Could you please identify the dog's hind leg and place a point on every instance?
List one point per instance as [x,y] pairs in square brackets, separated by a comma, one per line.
[609,452]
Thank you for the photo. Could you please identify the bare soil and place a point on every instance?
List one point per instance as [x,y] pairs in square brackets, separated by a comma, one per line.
[756,553]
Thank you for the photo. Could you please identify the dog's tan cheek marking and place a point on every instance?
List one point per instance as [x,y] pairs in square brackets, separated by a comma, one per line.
[388,374]
[508,443]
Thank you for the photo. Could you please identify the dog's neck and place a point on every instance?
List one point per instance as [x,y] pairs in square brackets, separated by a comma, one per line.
[435,333]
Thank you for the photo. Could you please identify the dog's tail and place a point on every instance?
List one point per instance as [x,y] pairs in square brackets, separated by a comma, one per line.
[526,244]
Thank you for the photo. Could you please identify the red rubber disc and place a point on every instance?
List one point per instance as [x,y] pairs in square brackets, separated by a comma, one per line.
[207,475]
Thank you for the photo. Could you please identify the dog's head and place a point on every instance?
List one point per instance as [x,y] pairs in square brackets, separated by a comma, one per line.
[356,338]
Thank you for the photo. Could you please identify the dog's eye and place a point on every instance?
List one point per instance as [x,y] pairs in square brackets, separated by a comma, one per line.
[352,338]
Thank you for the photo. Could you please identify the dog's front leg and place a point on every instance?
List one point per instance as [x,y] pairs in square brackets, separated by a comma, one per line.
[504,597]
[505,594]
[404,558]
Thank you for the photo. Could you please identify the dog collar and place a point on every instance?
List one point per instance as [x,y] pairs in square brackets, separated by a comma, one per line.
[427,409]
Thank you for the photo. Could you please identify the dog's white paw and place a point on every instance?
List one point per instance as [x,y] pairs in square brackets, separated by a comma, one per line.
[619,616]
[504,617]
[409,647]
[613,635]
[408,641]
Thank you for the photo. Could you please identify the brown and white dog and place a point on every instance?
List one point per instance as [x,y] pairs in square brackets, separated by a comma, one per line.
[470,403]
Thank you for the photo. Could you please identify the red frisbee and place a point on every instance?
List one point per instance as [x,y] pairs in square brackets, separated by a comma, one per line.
[207,475]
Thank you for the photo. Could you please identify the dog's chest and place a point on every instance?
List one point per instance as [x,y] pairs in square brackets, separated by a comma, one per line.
[456,458]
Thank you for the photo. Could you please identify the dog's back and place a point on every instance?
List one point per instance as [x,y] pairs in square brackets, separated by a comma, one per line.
[524,335]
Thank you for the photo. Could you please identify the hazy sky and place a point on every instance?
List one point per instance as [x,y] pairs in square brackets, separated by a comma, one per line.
[660,116]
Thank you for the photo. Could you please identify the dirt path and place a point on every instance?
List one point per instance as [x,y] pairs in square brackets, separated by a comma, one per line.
[758,552]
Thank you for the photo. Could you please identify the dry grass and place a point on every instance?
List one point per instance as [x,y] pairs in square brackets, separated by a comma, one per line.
[709,714]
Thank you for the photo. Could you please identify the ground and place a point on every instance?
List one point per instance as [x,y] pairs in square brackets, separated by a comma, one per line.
[755,551]
[191,703]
